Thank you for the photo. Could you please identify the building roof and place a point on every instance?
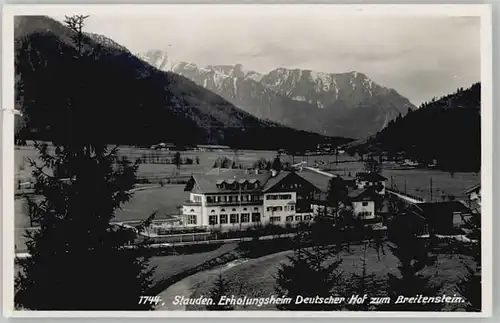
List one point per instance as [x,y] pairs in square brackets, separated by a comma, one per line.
[429,209]
[320,181]
[361,194]
[273,180]
[209,182]
[370,177]
[473,188]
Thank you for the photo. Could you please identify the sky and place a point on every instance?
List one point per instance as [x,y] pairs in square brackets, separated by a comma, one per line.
[419,56]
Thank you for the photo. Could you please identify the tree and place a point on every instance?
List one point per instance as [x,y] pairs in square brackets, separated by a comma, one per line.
[361,284]
[220,288]
[372,166]
[78,258]
[277,165]
[177,159]
[337,194]
[312,270]
[409,283]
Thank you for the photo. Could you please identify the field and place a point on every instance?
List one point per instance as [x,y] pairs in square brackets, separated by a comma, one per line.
[256,277]
[165,200]
[415,182]
[206,161]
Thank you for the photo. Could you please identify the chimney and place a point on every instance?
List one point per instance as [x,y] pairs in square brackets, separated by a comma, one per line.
[274,172]
[256,171]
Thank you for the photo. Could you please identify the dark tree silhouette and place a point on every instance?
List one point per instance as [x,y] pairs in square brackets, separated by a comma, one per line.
[362,283]
[177,159]
[409,282]
[312,270]
[372,166]
[221,288]
[78,259]
[422,136]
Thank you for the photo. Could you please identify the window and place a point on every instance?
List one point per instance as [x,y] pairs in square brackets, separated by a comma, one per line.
[286,197]
[223,219]
[271,197]
[212,220]
[192,219]
[307,217]
[191,211]
[233,218]
[255,217]
[245,217]
[255,208]
[292,207]
[298,218]
[274,208]
[365,203]
[289,218]
[275,219]
[197,198]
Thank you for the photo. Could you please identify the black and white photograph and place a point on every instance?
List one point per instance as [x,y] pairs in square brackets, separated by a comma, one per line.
[247,160]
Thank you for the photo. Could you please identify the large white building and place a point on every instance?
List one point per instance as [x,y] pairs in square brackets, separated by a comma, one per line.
[235,199]
[227,198]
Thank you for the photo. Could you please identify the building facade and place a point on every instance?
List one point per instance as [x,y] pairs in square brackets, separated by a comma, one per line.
[238,199]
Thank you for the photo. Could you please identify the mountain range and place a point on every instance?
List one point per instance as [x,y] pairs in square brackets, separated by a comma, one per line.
[346,104]
[109,94]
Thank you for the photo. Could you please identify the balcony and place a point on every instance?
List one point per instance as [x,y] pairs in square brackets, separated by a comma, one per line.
[236,203]
[191,203]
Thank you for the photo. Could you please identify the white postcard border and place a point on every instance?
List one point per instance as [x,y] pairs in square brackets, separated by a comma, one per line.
[7,144]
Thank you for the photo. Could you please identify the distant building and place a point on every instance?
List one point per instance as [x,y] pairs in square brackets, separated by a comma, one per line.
[474,198]
[164,146]
[363,203]
[437,218]
[212,147]
[360,200]
[474,193]
[365,180]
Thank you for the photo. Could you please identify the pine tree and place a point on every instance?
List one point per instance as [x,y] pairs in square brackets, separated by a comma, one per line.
[312,269]
[361,284]
[276,164]
[410,283]
[177,159]
[78,258]
[220,288]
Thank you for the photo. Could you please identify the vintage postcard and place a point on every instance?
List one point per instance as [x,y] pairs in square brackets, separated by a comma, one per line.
[247,160]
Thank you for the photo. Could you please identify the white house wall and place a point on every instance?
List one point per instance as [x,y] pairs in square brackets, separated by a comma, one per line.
[279,203]
[358,208]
